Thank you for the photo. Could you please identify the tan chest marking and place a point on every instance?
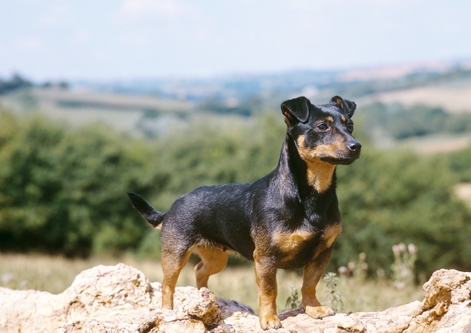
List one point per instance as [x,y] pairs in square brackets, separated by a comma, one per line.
[331,233]
[289,243]
[319,173]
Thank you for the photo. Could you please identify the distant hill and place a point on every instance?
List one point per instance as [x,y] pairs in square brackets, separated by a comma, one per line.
[454,99]
[314,84]
[153,107]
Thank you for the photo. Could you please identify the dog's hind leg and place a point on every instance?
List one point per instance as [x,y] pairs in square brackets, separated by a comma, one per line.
[213,260]
[172,264]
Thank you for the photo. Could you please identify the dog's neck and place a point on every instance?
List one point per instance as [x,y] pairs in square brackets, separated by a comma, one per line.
[315,176]
[320,175]
[290,181]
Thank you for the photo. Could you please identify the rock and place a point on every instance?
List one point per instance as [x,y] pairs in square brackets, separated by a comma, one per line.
[446,307]
[121,299]
[108,298]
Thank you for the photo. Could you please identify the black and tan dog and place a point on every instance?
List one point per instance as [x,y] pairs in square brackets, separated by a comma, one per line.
[287,219]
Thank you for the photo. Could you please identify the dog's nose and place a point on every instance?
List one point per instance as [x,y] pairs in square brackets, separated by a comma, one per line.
[354,145]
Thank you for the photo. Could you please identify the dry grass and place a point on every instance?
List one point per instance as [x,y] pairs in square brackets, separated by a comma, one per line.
[55,274]
[463,191]
[451,98]
[109,100]
[120,111]
[437,143]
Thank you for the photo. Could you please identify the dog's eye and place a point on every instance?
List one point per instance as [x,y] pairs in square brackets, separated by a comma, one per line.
[322,127]
[350,127]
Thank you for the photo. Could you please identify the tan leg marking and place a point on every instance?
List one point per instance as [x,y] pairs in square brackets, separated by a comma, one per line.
[329,237]
[171,266]
[313,272]
[213,260]
[265,272]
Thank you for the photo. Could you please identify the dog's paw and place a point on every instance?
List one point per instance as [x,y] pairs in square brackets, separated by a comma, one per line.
[319,312]
[271,321]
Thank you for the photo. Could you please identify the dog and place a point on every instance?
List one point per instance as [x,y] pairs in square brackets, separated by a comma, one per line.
[288,219]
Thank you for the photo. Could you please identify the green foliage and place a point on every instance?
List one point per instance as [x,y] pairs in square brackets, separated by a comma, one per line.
[459,163]
[150,246]
[334,298]
[402,122]
[16,82]
[293,301]
[64,190]
[216,153]
[395,197]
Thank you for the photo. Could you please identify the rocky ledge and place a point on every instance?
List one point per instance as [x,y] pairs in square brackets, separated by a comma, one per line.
[121,299]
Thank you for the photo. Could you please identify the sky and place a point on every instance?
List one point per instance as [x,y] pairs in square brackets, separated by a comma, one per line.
[130,39]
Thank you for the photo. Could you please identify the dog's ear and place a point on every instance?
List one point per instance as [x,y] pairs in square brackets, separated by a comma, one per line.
[296,109]
[346,105]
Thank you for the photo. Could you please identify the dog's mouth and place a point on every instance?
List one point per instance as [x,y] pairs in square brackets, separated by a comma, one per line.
[341,159]
[337,161]
[335,154]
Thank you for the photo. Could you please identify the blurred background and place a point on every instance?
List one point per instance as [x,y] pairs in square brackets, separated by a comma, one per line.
[161,96]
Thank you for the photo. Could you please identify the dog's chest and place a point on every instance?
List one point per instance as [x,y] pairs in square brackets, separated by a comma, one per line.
[295,249]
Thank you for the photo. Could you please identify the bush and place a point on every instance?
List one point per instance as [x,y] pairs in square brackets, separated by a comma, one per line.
[399,196]
[402,122]
[64,190]
[459,164]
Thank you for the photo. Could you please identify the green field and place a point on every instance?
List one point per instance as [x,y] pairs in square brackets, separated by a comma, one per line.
[75,107]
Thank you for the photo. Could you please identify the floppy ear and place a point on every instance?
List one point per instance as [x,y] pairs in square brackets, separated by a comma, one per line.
[346,105]
[296,110]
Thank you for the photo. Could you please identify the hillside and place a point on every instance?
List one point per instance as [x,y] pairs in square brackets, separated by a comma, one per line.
[82,106]
[452,98]
[152,107]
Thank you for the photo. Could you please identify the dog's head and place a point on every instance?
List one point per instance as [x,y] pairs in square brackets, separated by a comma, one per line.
[322,132]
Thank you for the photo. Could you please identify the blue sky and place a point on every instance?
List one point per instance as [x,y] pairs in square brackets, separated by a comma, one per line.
[104,39]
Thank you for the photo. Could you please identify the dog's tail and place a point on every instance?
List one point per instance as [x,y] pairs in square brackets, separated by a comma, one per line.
[149,213]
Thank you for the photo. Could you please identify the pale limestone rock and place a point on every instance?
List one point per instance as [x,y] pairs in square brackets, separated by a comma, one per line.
[447,304]
[107,299]
[121,299]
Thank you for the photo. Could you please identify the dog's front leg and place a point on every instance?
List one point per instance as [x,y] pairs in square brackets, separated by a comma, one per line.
[312,274]
[265,272]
